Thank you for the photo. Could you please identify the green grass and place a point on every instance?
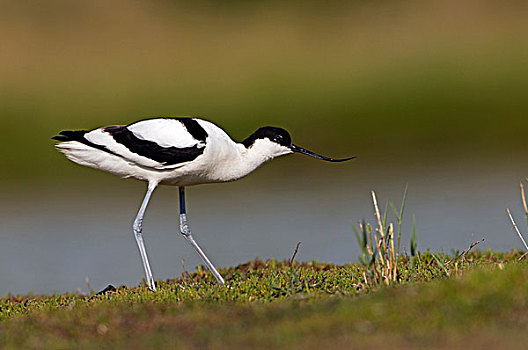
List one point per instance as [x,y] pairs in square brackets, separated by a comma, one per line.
[479,297]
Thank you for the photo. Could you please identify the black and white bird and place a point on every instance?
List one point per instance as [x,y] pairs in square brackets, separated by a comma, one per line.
[179,152]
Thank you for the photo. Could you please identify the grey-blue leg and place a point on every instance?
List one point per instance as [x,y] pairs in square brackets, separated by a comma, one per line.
[139,236]
[186,232]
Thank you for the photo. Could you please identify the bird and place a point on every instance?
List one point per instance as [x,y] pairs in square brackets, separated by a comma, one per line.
[175,151]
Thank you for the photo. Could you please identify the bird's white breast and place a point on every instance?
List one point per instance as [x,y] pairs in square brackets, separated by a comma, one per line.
[221,160]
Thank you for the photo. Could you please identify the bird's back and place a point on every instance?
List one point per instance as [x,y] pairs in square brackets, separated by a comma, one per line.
[176,151]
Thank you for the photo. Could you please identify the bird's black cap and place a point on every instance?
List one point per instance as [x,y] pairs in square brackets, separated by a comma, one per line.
[277,135]
[283,138]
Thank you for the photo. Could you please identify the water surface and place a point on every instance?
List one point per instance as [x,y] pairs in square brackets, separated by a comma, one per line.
[54,237]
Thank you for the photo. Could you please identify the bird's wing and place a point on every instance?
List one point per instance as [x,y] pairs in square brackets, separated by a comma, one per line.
[160,143]
[170,132]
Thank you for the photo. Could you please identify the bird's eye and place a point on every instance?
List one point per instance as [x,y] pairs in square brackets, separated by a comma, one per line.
[277,138]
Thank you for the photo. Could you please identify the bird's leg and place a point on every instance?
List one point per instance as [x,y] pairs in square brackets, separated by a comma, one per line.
[186,232]
[137,227]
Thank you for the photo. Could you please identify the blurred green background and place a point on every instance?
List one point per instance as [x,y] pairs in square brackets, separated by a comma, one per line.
[425,93]
[376,79]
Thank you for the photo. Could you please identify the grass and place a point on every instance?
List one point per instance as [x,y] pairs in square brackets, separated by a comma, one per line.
[425,300]
[284,304]
[515,227]
[378,245]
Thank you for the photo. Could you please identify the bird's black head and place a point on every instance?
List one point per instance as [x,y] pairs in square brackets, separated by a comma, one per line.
[276,135]
[281,144]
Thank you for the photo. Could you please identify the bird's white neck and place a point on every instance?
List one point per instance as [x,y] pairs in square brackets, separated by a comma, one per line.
[245,160]
[261,152]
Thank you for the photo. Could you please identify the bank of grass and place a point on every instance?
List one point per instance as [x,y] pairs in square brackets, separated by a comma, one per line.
[477,297]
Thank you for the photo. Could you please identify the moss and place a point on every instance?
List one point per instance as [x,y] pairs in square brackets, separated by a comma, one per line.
[269,303]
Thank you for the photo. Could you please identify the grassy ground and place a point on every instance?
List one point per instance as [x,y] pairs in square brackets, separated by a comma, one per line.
[470,300]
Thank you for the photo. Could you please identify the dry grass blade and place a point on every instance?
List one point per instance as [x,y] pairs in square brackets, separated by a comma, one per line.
[465,252]
[381,244]
[394,255]
[523,198]
[88,284]
[294,253]
[380,251]
[377,211]
[517,229]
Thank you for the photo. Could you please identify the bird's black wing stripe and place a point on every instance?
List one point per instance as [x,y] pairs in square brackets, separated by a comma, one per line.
[150,149]
[78,135]
[194,128]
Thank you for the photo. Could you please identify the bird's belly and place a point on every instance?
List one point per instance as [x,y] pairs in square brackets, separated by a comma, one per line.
[185,180]
[188,176]
[202,170]
[194,174]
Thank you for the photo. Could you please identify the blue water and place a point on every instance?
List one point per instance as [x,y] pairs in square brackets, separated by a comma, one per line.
[54,236]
